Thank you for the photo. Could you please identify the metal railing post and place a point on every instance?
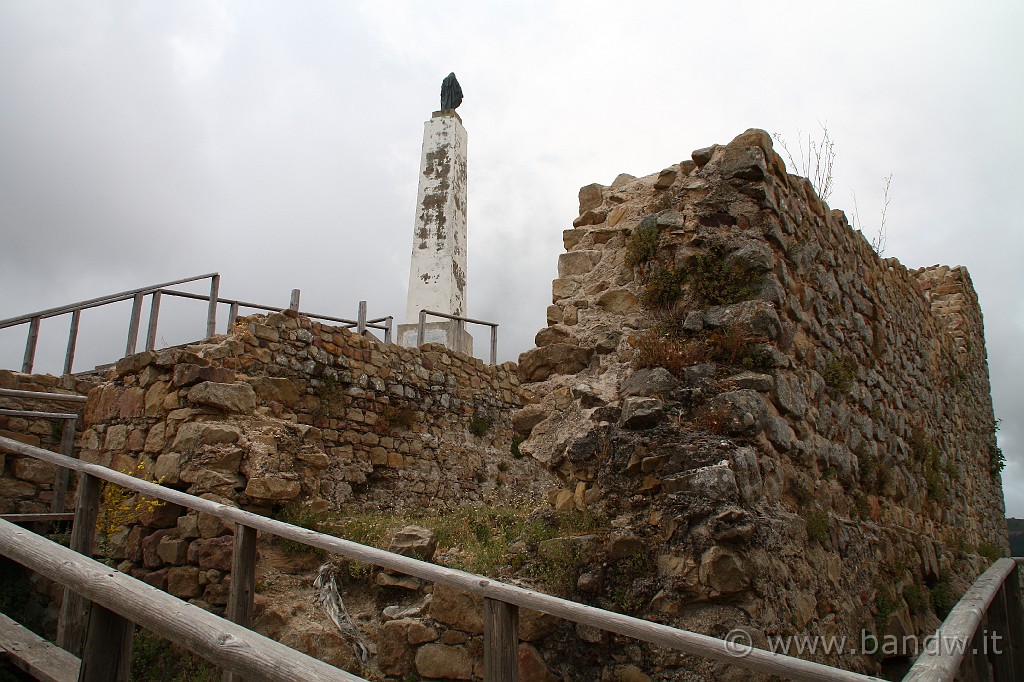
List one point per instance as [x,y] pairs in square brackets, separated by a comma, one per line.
[294,303]
[494,344]
[69,357]
[30,346]
[154,314]
[211,313]
[133,325]
[361,327]
[421,330]
[388,323]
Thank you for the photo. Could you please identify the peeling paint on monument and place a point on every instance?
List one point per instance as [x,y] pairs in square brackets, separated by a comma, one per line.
[437,279]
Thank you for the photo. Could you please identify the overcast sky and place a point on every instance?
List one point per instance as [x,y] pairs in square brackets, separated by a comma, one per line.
[278,144]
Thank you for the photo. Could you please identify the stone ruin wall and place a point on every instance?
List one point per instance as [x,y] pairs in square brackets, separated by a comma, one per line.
[284,413]
[819,458]
[826,472]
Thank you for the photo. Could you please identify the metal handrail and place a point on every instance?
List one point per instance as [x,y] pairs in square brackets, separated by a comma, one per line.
[95,302]
[156,291]
[460,329]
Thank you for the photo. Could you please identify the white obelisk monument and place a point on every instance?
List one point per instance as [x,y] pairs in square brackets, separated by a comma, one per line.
[437,276]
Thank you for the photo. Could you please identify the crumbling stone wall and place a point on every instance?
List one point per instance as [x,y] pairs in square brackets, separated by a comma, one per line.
[799,433]
[286,412]
[26,484]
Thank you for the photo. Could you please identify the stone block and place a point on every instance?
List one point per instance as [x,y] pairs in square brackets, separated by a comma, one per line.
[228,397]
[183,582]
[440,661]
[460,610]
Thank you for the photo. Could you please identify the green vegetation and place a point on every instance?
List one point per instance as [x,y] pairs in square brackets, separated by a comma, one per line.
[840,373]
[943,598]
[329,398]
[642,244]
[916,598]
[158,660]
[517,440]
[399,417]
[989,551]
[476,539]
[717,281]
[817,525]
[663,288]
[479,425]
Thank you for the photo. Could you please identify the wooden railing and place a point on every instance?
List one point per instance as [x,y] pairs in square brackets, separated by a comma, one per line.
[69,423]
[156,292]
[501,600]
[460,330]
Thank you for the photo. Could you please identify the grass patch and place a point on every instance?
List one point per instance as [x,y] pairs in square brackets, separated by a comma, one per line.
[328,398]
[517,440]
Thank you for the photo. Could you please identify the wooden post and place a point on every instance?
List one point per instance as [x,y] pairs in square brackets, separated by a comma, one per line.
[71,624]
[154,314]
[494,344]
[211,312]
[501,641]
[133,325]
[388,324]
[243,582]
[107,656]
[421,332]
[69,357]
[232,314]
[460,332]
[294,303]
[361,320]
[30,346]
[60,481]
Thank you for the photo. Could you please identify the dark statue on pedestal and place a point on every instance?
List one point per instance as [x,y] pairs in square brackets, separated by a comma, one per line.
[451,93]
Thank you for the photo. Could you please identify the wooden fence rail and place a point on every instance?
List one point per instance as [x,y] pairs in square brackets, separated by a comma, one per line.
[500,637]
[120,601]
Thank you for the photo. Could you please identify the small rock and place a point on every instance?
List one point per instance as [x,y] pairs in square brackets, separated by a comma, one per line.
[439,661]
[723,570]
[753,381]
[228,397]
[591,196]
[642,413]
[414,541]
[405,582]
[666,178]
[702,156]
[621,180]
[656,382]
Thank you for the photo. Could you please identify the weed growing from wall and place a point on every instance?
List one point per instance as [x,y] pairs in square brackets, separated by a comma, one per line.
[121,506]
[642,245]
[479,425]
[717,281]
[663,288]
[840,373]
